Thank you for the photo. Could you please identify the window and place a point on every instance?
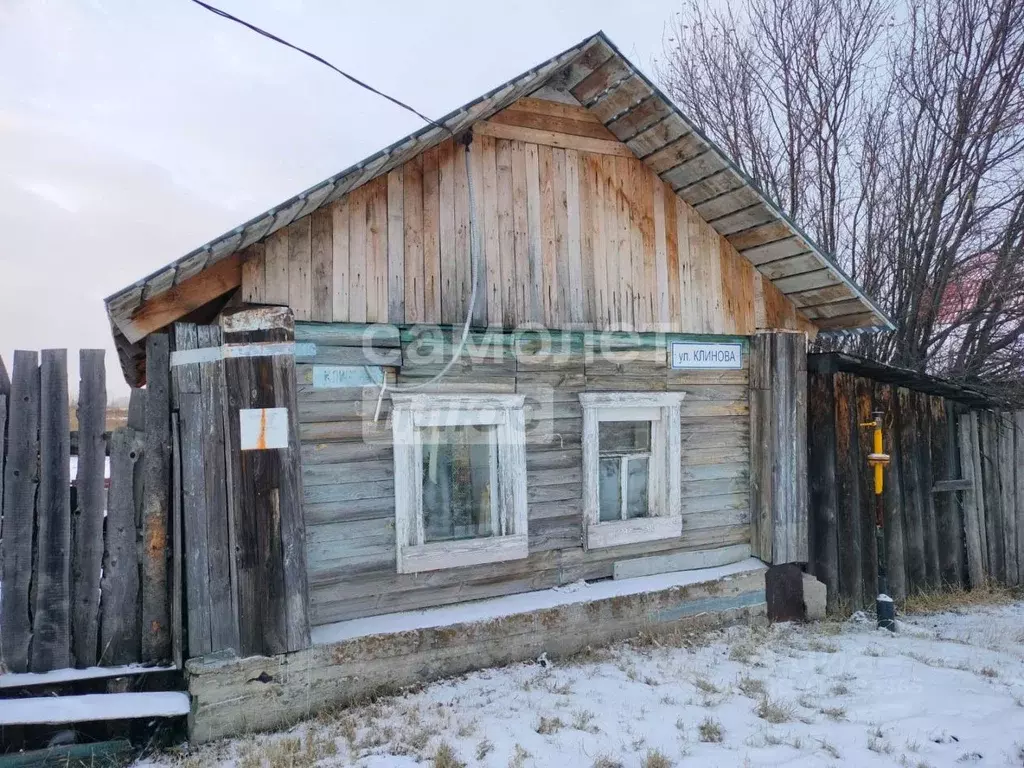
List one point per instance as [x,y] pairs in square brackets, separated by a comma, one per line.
[460,480]
[631,467]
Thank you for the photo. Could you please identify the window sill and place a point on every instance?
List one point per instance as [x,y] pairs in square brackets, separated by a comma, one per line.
[440,555]
[618,532]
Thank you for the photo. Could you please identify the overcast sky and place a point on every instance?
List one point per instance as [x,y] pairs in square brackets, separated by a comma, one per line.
[130,132]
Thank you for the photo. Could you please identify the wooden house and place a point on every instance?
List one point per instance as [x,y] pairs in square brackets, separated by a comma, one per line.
[558,336]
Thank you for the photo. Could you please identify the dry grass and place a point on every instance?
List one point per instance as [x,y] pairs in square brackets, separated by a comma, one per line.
[445,757]
[711,731]
[656,759]
[603,761]
[773,711]
[519,757]
[706,686]
[549,725]
[834,713]
[941,601]
[751,686]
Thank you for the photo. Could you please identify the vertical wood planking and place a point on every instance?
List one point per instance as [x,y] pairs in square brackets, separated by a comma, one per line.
[276,267]
[549,249]
[322,244]
[21,480]
[672,255]
[535,233]
[588,229]
[477,267]
[645,215]
[521,235]
[396,246]
[598,237]
[51,617]
[156,645]
[613,262]
[91,498]
[989,455]
[223,619]
[661,284]
[340,257]
[357,304]
[431,237]
[254,275]
[193,502]
[888,403]
[928,521]
[1005,468]
[848,489]
[863,444]
[491,256]
[300,268]
[450,301]
[910,471]
[973,499]
[506,236]
[576,293]
[463,235]
[562,296]
[413,217]
[627,277]
[119,629]
[823,501]
[269,533]
[634,198]
[377,252]
[947,524]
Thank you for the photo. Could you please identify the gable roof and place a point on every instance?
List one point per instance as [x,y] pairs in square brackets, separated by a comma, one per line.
[597,74]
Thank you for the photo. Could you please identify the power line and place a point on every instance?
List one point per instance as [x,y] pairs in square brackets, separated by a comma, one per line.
[356,80]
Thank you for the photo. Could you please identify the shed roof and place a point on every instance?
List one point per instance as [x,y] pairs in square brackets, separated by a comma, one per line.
[597,74]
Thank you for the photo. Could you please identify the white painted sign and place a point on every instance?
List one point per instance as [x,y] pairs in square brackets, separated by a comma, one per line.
[263,428]
[696,354]
[340,376]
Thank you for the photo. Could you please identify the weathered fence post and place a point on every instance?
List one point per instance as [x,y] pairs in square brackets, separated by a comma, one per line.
[51,619]
[87,520]
[822,498]
[778,383]
[264,464]
[974,504]
[156,618]
[21,479]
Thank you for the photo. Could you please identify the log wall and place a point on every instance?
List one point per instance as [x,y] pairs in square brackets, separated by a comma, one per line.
[347,464]
[572,227]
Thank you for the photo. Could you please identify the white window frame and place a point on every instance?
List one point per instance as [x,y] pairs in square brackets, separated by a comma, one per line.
[665,520]
[510,541]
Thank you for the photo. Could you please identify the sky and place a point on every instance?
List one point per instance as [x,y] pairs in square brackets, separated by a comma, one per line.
[131,133]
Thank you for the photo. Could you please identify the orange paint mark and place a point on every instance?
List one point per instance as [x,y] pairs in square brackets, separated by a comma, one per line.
[261,439]
[157,540]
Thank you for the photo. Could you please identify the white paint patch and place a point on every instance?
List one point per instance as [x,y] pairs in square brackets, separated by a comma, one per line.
[263,319]
[263,428]
[694,354]
[194,356]
[265,349]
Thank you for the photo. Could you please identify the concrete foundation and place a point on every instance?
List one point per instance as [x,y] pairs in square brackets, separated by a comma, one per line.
[232,696]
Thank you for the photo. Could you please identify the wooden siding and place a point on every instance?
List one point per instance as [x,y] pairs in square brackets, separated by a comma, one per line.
[572,229]
[347,462]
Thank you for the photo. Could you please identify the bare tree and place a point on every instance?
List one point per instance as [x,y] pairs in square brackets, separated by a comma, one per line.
[895,135]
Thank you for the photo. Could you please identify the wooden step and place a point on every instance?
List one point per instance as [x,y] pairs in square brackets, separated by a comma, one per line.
[93,707]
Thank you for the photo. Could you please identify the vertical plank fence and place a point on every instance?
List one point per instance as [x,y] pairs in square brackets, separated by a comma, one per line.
[954,507]
[72,592]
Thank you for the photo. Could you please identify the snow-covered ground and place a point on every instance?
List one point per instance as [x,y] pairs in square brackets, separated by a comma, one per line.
[947,690]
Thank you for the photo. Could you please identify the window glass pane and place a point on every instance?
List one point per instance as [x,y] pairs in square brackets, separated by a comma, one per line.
[624,436]
[457,492]
[609,490]
[636,488]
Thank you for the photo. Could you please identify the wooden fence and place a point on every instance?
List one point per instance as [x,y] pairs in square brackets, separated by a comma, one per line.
[83,563]
[953,501]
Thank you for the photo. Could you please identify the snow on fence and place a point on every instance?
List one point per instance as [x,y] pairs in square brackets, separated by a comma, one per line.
[83,567]
[954,489]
